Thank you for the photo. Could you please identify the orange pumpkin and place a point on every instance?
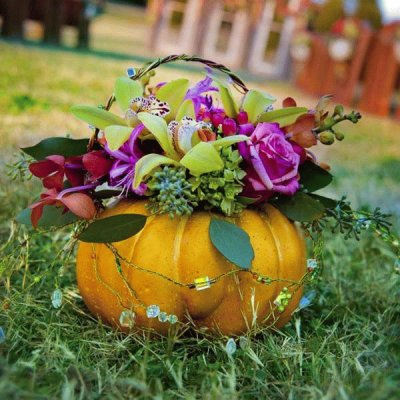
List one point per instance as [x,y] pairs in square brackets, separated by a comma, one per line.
[181,249]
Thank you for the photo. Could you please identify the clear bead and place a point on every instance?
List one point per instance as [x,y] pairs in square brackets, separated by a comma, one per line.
[56,298]
[230,347]
[131,72]
[152,311]
[127,319]
[2,335]
[312,264]
[172,319]
[163,316]
[202,283]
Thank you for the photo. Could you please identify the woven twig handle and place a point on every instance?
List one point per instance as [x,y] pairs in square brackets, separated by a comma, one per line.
[236,81]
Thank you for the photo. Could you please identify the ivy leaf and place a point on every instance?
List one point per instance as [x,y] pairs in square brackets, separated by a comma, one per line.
[113,229]
[255,103]
[117,135]
[232,242]
[301,207]
[173,93]
[284,117]
[96,117]
[51,217]
[61,146]
[125,90]
[313,177]
[202,158]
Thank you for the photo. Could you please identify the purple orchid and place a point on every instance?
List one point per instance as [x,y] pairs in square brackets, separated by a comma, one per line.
[196,92]
[122,172]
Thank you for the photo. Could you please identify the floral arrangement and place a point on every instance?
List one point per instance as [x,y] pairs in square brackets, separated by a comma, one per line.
[187,148]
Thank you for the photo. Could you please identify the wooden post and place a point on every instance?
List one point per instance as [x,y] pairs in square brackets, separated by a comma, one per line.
[53,21]
[15,12]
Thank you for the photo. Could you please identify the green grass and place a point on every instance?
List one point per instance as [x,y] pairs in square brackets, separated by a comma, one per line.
[346,346]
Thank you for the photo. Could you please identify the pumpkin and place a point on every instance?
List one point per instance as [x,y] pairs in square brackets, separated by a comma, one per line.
[181,250]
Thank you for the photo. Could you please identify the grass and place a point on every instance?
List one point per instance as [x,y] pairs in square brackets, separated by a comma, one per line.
[346,346]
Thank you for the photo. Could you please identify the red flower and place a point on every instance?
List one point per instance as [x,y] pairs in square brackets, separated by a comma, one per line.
[52,170]
[97,164]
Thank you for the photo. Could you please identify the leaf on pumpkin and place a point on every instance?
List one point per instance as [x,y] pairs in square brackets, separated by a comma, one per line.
[125,90]
[186,110]
[113,229]
[255,103]
[61,146]
[300,207]
[96,117]
[202,158]
[117,135]
[159,128]
[173,93]
[313,177]
[232,242]
[284,117]
[147,164]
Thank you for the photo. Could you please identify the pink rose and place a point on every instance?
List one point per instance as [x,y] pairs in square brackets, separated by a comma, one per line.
[272,162]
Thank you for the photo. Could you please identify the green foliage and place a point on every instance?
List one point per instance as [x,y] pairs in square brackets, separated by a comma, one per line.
[172,193]
[113,229]
[232,242]
[51,217]
[368,10]
[61,146]
[313,177]
[330,12]
[220,189]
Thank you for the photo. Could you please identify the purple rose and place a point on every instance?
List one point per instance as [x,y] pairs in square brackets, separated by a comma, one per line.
[272,163]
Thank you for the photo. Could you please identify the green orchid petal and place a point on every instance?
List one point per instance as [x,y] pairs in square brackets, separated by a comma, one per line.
[229,140]
[96,117]
[255,103]
[125,90]
[147,164]
[284,117]
[158,127]
[173,93]
[117,135]
[202,158]
[230,106]
[186,110]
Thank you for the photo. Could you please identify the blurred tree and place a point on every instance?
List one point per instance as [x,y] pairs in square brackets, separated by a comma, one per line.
[368,10]
[328,13]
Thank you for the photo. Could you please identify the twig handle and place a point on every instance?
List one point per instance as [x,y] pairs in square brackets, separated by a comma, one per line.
[236,81]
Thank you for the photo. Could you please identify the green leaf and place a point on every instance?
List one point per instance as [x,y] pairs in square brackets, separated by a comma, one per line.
[326,201]
[300,207]
[52,217]
[186,110]
[125,90]
[313,177]
[113,229]
[173,93]
[202,158]
[117,135]
[147,164]
[230,106]
[159,128]
[247,201]
[96,117]
[284,116]
[61,146]
[229,141]
[232,242]
[255,103]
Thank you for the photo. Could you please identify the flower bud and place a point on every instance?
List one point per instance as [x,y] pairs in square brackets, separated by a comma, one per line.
[327,138]
[339,136]
[242,118]
[217,117]
[229,127]
[339,110]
